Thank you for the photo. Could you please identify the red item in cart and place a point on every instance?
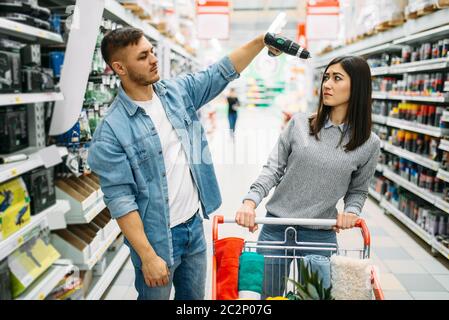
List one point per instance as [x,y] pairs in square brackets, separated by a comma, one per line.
[227,254]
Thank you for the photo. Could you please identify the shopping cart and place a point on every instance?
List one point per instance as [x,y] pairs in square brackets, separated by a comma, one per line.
[293,252]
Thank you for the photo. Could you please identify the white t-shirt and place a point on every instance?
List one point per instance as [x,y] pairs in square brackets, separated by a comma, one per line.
[182,191]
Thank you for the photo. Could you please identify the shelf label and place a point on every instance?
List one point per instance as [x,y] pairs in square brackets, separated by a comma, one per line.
[14,172]
[20,240]
[41,296]
[18,99]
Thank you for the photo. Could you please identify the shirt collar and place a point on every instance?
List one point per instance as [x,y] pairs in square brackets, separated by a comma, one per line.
[330,124]
[131,107]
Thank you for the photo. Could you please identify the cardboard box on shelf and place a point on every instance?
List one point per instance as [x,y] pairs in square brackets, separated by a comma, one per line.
[87,235]
[71,246]
[15,211]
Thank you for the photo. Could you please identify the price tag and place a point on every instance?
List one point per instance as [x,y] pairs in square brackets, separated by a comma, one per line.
[20,240]
[18,99]
[14,172]
[41,296]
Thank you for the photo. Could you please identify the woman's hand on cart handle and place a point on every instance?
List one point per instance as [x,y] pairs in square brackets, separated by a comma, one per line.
[346,220]
[246,216]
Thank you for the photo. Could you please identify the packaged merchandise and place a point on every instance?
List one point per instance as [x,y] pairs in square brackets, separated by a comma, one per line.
[15,209]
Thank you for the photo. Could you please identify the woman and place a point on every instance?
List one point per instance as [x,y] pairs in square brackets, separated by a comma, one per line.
[317,161]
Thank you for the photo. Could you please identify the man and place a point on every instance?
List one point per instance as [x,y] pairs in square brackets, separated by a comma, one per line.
[152,158]
[233,104]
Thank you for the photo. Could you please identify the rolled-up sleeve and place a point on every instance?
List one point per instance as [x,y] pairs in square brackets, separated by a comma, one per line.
[205,85]
[109,161]
[358,188]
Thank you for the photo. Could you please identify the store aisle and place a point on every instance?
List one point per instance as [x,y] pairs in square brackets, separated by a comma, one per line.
[407,268]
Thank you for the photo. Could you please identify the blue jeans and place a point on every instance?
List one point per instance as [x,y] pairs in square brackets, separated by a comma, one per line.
[277,270]
[232,117]
[188,274]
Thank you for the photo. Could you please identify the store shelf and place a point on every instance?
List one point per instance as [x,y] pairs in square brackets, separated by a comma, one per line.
[379,167]
[116,12]
[443,175]
[380,95]
[20,30]
[444,145]
[101,285]
[414,127]
[89,264]
[26,98]
[440,248]
[81,217]
[425,35]
[15,169]
[38,222]
[429,99]
[42,287]
[411,156]
[375,194]
[419,66]
[379,71]
[406,221]
[390,40]
[420,192]
[445,116]
[379,119]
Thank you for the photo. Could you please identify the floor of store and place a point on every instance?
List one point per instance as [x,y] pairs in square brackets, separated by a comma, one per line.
[406,266]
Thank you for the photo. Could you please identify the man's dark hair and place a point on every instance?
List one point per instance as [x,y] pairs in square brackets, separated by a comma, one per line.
[119,39]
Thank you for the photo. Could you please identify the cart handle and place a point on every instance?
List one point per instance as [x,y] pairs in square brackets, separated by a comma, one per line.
[360,223]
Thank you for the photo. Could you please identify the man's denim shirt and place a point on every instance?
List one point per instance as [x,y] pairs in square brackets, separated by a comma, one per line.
[126,153]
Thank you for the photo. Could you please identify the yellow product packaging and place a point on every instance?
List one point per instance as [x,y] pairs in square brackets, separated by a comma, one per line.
[14,207]
[28,263]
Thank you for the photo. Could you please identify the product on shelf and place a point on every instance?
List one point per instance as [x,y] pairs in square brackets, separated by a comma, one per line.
[5,281]
[421,144]
[10,77]
[41,186]
[69,288]
[26,12]
[13,128]
[30,261]
[14,207]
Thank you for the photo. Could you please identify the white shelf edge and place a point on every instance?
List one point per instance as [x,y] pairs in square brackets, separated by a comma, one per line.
[111,271]
[379,119]
[430,164]
[14,241]
[444,145]
[407,221]
[375,194]
[398,97]
[26,31]
[424,194]
[440,248]
[46,282]
[414,127]
[88,216]
[28,98]
[443,175]
[379,167]
[15,169]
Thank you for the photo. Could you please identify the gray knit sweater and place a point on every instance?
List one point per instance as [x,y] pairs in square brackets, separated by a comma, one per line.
[310,176]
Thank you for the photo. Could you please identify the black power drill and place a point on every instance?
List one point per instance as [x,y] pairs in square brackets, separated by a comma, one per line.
[285,45]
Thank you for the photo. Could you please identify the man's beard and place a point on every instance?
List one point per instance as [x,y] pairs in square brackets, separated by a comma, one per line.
[140,79]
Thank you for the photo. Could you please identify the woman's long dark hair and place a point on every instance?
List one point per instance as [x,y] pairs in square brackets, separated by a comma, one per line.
[359,110]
